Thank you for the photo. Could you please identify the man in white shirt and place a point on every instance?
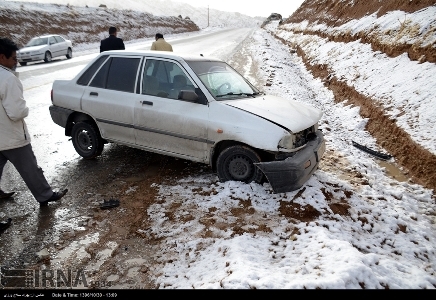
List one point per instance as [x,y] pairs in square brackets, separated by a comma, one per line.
[14,137]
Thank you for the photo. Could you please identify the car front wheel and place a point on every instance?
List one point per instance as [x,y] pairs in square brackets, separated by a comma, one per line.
[69,53]
[47,57]
[87,140]
[237,163]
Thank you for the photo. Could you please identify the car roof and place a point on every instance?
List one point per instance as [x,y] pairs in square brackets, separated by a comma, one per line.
[162,54]
[46,35]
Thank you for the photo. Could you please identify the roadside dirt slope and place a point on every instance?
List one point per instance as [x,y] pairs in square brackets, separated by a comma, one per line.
[418,161]
[335,13]
[84,24]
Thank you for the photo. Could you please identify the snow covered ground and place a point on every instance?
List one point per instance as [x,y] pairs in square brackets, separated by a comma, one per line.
[386,240]
[351,225]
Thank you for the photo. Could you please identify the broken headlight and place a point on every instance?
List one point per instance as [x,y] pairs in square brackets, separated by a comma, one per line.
[295,141]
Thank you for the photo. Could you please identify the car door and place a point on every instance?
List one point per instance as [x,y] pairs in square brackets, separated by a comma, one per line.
[167,125]
[62,46]
[54,47]
[110,98]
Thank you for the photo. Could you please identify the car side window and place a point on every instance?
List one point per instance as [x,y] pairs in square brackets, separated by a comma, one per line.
[155,78]
[99,79]
[118,73]
[87,75]
[164,79]
[52,40]
[40,42]
[59,39]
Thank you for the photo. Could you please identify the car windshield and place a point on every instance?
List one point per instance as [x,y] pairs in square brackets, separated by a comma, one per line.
[37,42]
[222,81]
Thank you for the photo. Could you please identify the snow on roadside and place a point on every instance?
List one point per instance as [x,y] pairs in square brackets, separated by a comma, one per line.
[406,94]
[394,27]
[234,235]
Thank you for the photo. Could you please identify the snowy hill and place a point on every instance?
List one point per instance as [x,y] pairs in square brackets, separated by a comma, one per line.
[199,15]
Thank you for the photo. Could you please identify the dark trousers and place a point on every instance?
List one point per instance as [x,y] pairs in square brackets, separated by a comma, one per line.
[24,161]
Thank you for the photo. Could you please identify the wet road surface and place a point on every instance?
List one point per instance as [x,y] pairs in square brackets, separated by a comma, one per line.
[90,182]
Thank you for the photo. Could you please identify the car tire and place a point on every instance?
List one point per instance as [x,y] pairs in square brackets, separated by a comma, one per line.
[69,53]
[87,140]
[24,63]
[237,163]
[47,57]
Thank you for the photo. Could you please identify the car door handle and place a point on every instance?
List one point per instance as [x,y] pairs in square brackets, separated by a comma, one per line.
[93,94]
[147,103]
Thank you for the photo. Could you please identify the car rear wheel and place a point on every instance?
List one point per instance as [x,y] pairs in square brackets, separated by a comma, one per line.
[237,163]
[69,53]
[47,57]
[87,140]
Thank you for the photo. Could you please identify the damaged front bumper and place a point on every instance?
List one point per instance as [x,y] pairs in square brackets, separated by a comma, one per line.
[290,174]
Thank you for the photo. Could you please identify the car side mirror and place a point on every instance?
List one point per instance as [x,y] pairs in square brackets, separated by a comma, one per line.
[188,95]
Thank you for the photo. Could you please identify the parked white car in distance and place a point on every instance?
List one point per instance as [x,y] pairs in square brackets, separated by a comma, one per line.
[194,108]
[45,48]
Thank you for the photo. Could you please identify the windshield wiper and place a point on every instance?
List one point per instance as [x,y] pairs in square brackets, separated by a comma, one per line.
[238,94]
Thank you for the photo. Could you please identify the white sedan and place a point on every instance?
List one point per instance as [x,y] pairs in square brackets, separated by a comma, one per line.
[194,108]
[45,48]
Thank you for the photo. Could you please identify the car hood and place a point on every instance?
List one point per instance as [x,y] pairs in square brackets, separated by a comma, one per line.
[290,114]
[33,48]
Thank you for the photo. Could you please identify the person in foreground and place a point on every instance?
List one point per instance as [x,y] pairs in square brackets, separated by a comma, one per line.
[160,44]
[112,42]
[14,137]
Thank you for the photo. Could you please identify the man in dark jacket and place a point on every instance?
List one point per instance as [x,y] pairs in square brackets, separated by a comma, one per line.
[112,42]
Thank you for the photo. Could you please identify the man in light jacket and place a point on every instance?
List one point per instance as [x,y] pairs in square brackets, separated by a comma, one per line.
[14,137]
[160,44]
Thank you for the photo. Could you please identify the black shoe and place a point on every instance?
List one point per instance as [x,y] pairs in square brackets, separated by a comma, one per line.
[4,195]
[55,197]
[4,225]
